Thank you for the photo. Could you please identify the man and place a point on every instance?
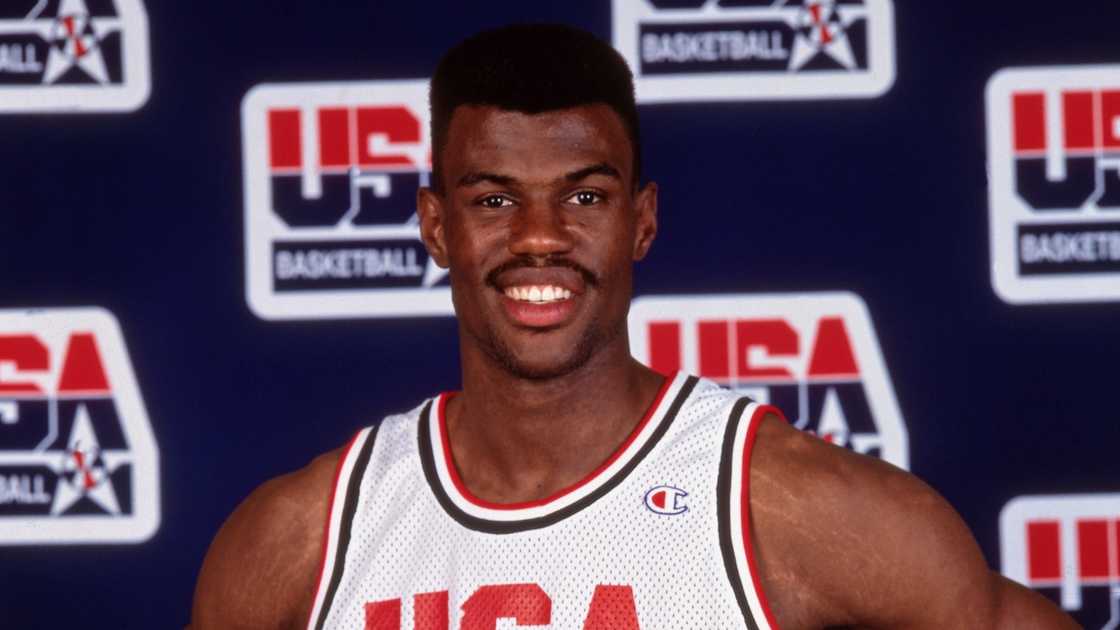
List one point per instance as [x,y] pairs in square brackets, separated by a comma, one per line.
[567,485]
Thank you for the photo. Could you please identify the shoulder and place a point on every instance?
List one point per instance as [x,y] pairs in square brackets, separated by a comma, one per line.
[261,568]
[699,405]
[857,539]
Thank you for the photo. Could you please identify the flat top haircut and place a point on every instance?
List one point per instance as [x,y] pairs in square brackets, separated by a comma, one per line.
[531,68]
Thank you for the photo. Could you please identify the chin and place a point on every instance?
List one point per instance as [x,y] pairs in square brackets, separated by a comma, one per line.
[544,360]
[538,368]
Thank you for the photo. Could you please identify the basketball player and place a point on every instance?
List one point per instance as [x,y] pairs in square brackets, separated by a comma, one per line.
[567,485]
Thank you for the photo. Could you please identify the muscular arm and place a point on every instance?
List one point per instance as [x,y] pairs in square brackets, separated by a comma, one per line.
[848,540]
[261,569]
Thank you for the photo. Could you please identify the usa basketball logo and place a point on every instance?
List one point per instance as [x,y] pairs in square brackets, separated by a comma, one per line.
[704,50]
[78,463]
[331,175]
[1054,189]
[814,356]
[73,56]
[1067,547]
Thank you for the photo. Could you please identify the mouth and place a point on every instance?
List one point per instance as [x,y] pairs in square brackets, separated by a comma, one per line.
[541,297]
[537,294]
[539,307]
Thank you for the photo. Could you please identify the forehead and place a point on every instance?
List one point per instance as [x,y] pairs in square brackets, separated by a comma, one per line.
[487,138]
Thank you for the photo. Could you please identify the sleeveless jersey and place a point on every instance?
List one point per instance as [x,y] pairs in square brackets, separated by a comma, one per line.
[656,537]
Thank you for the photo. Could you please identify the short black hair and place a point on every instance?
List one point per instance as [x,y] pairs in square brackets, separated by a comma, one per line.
[531,68]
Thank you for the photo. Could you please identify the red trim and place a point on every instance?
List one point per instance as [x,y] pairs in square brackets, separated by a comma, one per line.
[441,422]
[752,433]
[327,525]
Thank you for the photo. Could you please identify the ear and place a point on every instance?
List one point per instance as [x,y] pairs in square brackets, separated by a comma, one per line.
[430,211]
[645,205]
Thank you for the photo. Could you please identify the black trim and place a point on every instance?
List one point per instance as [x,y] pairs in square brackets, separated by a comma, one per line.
[723,510]
[509,527]
[353,486]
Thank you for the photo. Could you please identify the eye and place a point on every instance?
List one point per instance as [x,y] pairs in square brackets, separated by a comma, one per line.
[585,198]
[495,201]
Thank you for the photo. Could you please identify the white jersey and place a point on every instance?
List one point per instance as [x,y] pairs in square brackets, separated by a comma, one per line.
[656,537]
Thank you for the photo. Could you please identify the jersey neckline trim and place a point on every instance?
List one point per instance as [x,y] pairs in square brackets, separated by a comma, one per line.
[465,493]
[481,515]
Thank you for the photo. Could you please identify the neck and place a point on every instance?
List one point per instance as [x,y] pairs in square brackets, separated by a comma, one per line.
[515,439]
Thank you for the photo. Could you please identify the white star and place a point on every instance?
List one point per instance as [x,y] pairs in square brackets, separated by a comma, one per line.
[826,35]
[79,47]
[834,424]
[83,475]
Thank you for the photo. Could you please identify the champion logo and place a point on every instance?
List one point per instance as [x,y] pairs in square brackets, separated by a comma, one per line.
[666,500]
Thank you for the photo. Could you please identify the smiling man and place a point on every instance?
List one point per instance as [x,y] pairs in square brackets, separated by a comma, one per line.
[567,485]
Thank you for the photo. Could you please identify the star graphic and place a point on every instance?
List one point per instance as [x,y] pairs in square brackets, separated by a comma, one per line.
[833,425]
[75,39]
[85,469]
[822,28]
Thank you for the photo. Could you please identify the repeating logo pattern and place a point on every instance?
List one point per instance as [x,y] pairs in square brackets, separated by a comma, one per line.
[78,462]
[700,50]
[331,175]
[1068,548]
[73,56]
[814,356]
[1054,190]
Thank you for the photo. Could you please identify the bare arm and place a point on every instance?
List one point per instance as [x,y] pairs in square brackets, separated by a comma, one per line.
[872,546]
[1019,607]
[261,569]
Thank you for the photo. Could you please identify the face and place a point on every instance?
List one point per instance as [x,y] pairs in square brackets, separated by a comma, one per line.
[539,224]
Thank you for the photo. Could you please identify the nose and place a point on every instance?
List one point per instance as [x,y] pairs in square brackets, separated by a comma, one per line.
[539,229]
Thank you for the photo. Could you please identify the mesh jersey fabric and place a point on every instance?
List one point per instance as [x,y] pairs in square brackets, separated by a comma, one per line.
[655,538]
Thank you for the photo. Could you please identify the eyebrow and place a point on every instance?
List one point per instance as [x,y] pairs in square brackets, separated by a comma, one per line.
[602,168]
[477,177]
[470,179]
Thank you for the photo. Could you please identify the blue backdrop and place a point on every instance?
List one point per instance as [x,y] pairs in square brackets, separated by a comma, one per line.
[142,213]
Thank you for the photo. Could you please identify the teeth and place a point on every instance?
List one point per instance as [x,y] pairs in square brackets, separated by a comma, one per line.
[538,294]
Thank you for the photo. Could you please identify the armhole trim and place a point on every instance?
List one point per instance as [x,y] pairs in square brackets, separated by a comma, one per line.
[336,531]
[734,512]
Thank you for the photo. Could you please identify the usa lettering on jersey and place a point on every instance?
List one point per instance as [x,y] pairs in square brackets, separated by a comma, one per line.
[611,608]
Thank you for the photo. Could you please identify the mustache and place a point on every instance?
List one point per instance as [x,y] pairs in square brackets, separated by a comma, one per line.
[532,262]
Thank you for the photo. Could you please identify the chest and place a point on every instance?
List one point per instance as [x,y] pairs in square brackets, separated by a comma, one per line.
[650,540]
[644,554]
